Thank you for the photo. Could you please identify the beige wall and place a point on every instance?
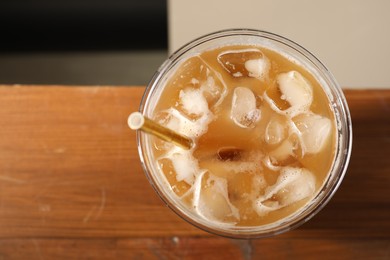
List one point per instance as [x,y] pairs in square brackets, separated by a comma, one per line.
[352,38]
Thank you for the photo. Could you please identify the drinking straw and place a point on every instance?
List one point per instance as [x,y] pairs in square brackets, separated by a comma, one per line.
[137,121]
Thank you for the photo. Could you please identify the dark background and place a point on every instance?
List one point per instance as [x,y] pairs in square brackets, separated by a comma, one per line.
[82,25]
[82,42]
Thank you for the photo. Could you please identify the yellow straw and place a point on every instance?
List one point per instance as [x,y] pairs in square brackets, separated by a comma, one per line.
[137,121]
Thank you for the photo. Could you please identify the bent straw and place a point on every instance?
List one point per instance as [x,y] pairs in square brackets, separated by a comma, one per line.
[137,121]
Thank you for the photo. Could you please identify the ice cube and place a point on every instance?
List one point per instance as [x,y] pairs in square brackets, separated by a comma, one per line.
[193,103]
[243,111]
[197,74]
[179,187]
[275,131]
[213,90]
[292,185]
[315,131]
[262,208]
[257,68]
[166,119]
[247,62]
[211,199]
[185,166]
[178,122]
[283,151]
[294,89]
[267,161]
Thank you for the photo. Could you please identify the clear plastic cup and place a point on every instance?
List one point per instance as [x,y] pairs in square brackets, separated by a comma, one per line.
[305,59]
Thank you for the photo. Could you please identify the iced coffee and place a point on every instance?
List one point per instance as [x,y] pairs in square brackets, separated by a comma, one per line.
[265,138]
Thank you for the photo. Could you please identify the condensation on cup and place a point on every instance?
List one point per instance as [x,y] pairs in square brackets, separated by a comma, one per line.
[271,129]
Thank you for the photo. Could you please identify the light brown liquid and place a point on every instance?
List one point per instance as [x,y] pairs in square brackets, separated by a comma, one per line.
[231,156]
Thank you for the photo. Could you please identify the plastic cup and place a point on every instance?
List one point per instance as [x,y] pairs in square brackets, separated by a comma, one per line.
[305,59]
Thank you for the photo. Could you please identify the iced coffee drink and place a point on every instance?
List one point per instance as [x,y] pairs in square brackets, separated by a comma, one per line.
[270,131]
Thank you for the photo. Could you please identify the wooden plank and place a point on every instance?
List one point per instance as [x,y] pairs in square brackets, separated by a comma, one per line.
[69,166]
[192,248]
[69,169]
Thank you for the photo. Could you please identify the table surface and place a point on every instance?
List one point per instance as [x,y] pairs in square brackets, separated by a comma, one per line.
[71,186]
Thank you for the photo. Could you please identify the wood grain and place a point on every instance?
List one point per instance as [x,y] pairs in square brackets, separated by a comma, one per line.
[71,185]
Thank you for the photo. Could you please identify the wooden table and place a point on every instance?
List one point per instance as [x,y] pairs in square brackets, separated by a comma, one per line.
[71,186]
